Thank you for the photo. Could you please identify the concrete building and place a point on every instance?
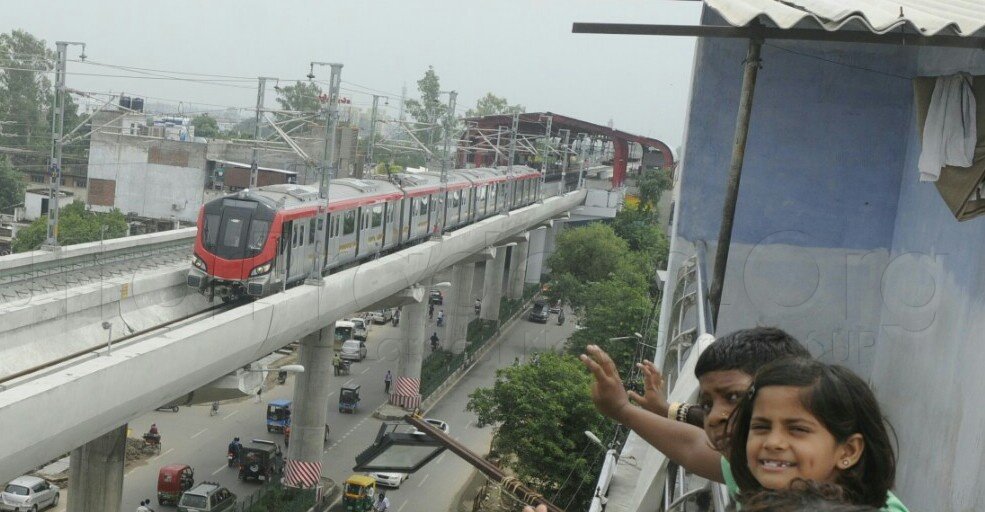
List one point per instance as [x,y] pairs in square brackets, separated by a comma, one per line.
[36,202]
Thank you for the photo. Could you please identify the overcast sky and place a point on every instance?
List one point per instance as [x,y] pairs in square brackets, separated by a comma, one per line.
[521,49]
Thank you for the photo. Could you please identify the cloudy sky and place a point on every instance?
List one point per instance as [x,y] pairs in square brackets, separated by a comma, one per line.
[521,49]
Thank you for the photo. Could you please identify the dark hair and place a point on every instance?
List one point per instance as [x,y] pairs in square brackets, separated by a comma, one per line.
[845,405]
[802,496]
[747,350]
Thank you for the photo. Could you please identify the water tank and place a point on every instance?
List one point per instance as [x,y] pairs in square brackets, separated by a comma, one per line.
[137,104]
[125,101]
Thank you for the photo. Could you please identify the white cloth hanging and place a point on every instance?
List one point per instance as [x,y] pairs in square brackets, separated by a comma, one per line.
[949,134]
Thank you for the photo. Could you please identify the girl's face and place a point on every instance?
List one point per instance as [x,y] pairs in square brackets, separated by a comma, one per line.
[787,442]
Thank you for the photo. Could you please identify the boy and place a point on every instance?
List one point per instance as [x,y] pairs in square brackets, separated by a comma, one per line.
[724,371]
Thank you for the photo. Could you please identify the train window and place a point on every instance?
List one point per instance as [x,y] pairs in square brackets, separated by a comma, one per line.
[481,193]
[349,223]
[424,205]
[294,237]
[301,236]
[258,234]
[455,198]
[311,231]
[377,216]
[211,229]
[335,226]
[233,232]
[389,213]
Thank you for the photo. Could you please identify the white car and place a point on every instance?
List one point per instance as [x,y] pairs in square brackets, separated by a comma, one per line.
[28,493]
[360,328]
[353,350]
[440,425]
[389,479]
[381,316]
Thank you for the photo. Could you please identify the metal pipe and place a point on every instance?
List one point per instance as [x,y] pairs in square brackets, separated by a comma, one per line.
[735,174]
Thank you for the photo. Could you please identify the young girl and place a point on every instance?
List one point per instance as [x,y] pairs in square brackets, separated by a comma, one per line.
[805,420]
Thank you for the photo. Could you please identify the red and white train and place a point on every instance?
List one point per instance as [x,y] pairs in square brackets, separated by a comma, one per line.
[256,242]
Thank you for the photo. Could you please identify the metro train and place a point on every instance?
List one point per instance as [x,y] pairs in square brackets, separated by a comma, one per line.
[256,242]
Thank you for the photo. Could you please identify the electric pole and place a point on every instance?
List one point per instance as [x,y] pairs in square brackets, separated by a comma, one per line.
[372,130]
[547,147]
[446,157]
[331,126]
[57,132]
[583,149]
[509,165]
[255,162]
[564,163]
[499,132]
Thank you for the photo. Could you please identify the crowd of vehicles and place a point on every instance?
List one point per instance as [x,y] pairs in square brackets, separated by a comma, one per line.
[260,241]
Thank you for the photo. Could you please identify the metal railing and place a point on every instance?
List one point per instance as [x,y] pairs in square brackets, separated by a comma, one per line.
[689,319]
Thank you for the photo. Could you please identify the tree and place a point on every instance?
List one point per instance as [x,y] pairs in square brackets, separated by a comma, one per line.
[490,104]
[303,100]
[11,186]
[651,185]
[541,411]
[429,110]
[205,126]
[26,99]
[643,234]
[589,253]
[613,308]
[75,226]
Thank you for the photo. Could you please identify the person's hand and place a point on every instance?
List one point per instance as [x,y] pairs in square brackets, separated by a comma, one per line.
[608,393]
[540,508]
[652,398]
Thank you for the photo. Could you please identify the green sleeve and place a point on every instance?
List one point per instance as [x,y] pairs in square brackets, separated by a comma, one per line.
[893,504]
[733,488]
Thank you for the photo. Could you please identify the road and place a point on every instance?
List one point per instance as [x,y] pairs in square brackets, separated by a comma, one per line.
[191,436]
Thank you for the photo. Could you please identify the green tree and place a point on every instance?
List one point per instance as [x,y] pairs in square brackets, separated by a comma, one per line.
[11,186]
[303,100]
[205,126]
[640,230]
[613,308]
[651,185]
[429,109]
[589,253]
[26,99]
[75,226]
[541,411]
[490,104]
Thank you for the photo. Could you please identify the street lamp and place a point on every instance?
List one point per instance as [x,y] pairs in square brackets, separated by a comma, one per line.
[635,335]
[289,368]
[408,452]
[109,337]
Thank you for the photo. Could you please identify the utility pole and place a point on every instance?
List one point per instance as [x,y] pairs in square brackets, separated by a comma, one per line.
[57,141]
[446,157]
[499,132]
[331,126]
[583,149]
[547,147]
[564,163]
[513,130]
[255,162]
[372,130]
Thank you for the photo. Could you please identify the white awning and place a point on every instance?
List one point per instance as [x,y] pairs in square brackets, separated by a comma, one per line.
[925,17]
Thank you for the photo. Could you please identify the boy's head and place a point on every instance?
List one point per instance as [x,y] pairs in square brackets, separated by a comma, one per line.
[726,368]
[802,496]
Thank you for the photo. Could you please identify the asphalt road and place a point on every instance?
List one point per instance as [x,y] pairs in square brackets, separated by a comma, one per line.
[191,436]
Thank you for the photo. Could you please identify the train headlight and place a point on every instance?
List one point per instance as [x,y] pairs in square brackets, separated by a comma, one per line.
[199,263]
[261,270]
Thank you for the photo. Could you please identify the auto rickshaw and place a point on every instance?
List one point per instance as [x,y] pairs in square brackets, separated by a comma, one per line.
[260,460]
[172,480]
[358,492]
[349,398]
[278,415]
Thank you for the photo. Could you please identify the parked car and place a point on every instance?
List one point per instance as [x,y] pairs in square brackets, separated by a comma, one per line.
[28,493]
[381,316]
[436,298]
[360,328]
[354,350]
[539,312]
[389,479]
[207,497]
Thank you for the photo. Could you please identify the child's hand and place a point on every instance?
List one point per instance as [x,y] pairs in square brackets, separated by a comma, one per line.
[540,508]
[608,393]
[653,390]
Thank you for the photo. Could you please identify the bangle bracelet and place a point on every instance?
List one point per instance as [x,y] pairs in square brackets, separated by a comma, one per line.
[682,412]
[672,411]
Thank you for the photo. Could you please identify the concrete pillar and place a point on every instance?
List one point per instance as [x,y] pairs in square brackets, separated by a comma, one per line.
[310,408]
[406,391]
[535,255]
[96,473]
[492,287]
[459,307]
[518,270]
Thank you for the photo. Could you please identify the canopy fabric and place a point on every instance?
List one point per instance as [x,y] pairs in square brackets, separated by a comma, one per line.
[926,17]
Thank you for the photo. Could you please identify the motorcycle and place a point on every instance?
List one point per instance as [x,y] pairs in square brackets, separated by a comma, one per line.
[230,458]
[560,319]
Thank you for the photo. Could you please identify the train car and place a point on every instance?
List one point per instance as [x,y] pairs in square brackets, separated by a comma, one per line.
[257,242]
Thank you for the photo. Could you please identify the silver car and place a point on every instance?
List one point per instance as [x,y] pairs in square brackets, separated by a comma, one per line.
[28,493]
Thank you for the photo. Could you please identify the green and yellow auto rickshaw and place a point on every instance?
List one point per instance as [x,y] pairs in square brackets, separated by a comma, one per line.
[358,493]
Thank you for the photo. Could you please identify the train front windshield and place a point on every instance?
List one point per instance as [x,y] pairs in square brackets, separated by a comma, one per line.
[236,229]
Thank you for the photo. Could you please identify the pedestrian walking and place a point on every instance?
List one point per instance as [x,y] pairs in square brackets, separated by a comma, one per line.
[434,341]
[430,311]
[387,380]
[477,306]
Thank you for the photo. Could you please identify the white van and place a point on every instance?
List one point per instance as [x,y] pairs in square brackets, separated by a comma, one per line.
[360,328]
